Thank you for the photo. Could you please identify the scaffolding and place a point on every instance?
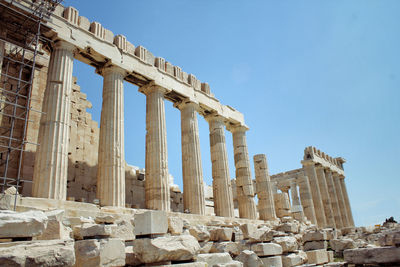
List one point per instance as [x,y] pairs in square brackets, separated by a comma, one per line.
[21,38]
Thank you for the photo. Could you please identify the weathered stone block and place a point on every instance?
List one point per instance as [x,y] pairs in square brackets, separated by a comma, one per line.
[151,222]
[233,248]
[342,244]
[249,259]
[22,224]
[92,230]
[221,234]
[200,232]
[214,258]
[293,259]
[267,249]
[390,239]
[317,256]
[288,243]
[275,261]
[102,252]
[38,253]
[315,236]
[288,227]
[175,225]
[314,245]
[171,248]
[123,229]
[379,255]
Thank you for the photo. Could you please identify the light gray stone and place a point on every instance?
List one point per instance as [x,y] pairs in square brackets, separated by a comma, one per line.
[390,239]
[249,259]
[100,252]
[205,247]
[230,264]
[275,261]
[22,224]
[151,222]
[191,264]
[267,249]
[105,219]
[169,248]
[38,253]
[379,255]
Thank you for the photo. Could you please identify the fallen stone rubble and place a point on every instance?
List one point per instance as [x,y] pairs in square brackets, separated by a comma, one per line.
[51,238]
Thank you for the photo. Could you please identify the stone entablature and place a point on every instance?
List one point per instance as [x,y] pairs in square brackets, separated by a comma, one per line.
[317,156]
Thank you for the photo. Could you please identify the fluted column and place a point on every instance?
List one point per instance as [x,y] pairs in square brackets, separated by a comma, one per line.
[244,183]
[222,190]
[265,194]
[111,166]
[51,160]
[306,199]
[156,173]
[297,209]
[326,200]
[346,202]
[334,199]
[192,172]
[309,167]
[342,205]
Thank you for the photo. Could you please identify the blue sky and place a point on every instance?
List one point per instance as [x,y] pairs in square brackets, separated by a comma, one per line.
[321,73]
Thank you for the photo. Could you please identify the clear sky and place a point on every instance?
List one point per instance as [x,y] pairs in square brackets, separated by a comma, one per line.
[320,73]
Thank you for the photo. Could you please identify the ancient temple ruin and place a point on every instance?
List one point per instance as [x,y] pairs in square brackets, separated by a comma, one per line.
[57,157]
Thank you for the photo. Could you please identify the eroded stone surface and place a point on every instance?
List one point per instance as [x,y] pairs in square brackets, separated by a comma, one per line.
[22,224]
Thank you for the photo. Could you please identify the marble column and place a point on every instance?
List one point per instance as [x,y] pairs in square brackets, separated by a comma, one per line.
[309,168]
[192,171]
[334,199]
[244,183]
[342,205]
[111,166]
[222,190]
[51,160]
[296,205]
[326,200]
[346,202]
[156,173]
[265,194]
[306,199]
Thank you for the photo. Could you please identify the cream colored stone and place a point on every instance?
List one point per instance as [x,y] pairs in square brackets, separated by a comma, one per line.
[192,172]
[293,259]
[326,200]
[266,249]
[223,199]
[244,183]
[151,222]
[266,205]
[334,198]
[249,259]
[214,258]
[200,232]
[306,199]
[233,248]
[340,196]
[275,261]
[123,229]
[309,169]
[288,243]
[315,236]
[314,245]
[92,230]
[22,224]
[156,183]
[111,166]
[100,252]
[51,160]
[221,234]
[175,225]
[317,256]
[160,249]
[383,255]
[38,253]
[346,202]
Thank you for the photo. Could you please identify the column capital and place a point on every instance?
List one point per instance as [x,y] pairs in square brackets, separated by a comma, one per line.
[319,167]
[233,128]
[152,87]
[214,117]
[108,68]
[64,45]
[307,162]
[186,103]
